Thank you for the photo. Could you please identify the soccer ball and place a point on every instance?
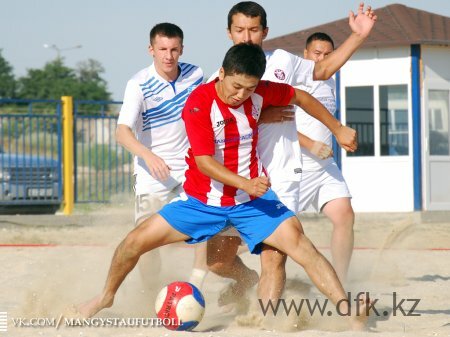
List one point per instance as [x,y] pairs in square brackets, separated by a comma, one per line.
[180,306]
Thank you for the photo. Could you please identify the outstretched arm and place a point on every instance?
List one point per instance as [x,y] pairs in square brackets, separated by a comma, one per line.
[361,26]
[345,136]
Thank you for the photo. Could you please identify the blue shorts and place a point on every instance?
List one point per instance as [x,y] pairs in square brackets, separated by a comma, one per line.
[254,220]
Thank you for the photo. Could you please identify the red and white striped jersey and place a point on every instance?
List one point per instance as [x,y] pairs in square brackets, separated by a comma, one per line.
[230,135]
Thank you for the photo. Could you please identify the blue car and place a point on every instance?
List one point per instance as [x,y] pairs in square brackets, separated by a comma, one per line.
[29,184]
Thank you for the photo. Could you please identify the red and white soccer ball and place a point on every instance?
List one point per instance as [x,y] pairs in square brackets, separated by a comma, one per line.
[180,305]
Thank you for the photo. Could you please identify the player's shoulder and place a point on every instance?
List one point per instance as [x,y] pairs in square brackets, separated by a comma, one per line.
[142,75]
[188,69]
[280,54]
[203,92]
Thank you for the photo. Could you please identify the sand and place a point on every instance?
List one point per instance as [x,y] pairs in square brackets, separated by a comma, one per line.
[47,268]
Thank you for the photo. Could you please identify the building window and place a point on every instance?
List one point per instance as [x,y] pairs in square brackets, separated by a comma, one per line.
[360,116]
[438,114]
[394,120]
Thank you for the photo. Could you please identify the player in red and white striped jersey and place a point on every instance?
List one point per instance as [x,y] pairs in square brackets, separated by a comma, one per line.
[260,219]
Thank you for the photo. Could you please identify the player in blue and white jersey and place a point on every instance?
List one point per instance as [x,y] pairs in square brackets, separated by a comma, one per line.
[151,128]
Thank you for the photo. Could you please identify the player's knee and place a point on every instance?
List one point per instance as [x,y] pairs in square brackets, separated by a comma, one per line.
[273,260]
[346,219]
[133,245]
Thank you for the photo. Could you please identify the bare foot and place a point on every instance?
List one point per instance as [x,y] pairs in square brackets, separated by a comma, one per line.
[358,320]
[236,292]
[93,306]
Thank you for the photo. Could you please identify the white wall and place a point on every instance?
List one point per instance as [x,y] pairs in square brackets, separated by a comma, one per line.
[379,183]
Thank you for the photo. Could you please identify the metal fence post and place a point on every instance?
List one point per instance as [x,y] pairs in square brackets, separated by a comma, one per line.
[68,157]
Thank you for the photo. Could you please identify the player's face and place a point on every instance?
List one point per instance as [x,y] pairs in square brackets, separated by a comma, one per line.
[317,50]
[166,51]
[235,89]
[245,29]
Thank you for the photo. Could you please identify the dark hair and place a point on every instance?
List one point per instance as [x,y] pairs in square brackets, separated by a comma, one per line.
[250,9]
[245,59]
[166,29]
[318,36]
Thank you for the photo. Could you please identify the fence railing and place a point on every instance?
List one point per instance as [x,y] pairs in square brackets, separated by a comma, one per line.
[31,153]
[102,167]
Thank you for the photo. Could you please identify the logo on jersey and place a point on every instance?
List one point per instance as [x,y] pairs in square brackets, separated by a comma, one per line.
[157,99]
[280,205]
[279,74]
[225,122]
[256,111]
[194,110]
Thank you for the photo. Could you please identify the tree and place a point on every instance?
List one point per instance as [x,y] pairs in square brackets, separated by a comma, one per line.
[92,85]
[7,80]
[56,80]
[51,82]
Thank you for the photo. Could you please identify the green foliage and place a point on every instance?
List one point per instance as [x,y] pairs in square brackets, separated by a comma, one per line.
[7,80]
[51,82]
[54,80]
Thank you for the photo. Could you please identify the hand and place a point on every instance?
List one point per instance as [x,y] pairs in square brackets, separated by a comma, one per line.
[257,187]
[346,138]
[321,150]
[363,23]
[276,114]
[158,167]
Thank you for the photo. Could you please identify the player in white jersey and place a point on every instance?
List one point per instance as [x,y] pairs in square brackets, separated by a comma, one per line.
[247,22]
[323,187]
[150,127]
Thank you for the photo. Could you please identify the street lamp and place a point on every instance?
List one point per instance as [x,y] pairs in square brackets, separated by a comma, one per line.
[59,50]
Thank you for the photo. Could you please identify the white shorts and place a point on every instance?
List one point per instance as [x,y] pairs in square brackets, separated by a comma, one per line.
[286,191]
[319,187]
[152,194]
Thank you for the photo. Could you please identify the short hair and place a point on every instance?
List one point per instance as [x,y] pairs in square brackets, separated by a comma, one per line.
[245,59]
[250,9]
[166,29]
[319,36]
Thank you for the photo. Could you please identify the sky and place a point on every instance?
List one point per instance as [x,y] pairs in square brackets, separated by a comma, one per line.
[115,32]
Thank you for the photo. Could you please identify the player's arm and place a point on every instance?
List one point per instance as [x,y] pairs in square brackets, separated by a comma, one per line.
[317,148]
[157,166]
[361,25]
[215,170]
[276,114]
[345,136]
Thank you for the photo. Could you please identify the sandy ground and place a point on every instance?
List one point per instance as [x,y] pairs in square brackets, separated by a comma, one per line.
[394,254]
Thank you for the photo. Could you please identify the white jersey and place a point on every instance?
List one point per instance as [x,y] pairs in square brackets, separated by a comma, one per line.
[152,108]
[278,146]
[324,92]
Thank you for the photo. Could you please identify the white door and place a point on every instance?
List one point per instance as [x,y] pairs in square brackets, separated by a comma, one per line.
[436,148]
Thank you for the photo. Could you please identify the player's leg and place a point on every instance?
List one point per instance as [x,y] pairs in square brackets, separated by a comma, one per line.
[152,233]
[200,268]
[290,238]
[273,274]
[333,199]
[340,212]
[150,196]
[273,261]
[224,261]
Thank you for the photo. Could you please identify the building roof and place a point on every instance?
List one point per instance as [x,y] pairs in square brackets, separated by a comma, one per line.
[397,25]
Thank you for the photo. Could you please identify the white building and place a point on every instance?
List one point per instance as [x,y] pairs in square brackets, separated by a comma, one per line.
[395,92]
